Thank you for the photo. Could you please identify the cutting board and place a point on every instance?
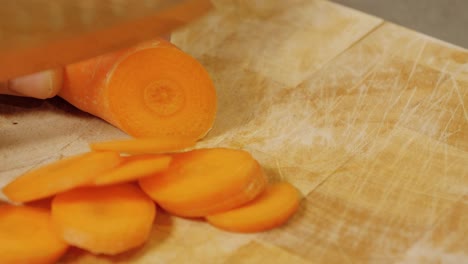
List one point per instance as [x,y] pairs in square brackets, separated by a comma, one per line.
[368,119]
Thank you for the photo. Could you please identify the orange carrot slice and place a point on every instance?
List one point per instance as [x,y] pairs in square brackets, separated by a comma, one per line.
[270,209]
[133,168]
[162,144]
[60,176]
[206,181]
[106,219]
[41,203]
[27,235]
[150,90]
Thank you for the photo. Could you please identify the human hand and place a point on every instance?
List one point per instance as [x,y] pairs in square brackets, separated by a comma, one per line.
[41,85]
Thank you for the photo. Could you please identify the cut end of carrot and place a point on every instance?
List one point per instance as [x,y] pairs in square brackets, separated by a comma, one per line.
[150,90]
[28,236]
[206,181]
[60,176]
[270,209]
[106,219]
[160,90]
[161,144]
[133,168]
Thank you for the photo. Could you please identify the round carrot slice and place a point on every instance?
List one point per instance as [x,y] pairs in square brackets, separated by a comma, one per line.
[206,181]
[27,235]
[133,168]
[270,209]
[107,219]
[60,176]
[160,144]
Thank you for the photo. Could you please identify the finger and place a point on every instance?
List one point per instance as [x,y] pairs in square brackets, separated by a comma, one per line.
[42,85]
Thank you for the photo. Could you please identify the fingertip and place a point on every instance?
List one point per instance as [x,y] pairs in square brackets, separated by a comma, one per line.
[41,85]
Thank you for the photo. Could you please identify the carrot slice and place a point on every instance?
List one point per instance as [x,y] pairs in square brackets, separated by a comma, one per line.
[28,236]
[133,168]
[270,209]
[106,219]
[60,176]
[41,203]
[150,90]
[162,144]
[205,181]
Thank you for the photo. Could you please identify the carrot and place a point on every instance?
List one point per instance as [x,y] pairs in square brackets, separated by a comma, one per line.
[270,209]
[41,203]
[106,219]
[206,181]
[150,90]
[60,176]
[162,144]
[133,168]
[27,235]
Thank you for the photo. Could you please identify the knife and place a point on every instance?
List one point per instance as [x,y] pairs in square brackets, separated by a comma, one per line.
[37,35]
[445,20]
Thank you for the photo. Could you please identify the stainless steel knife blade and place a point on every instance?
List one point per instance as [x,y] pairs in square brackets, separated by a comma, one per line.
[43,34]
[446,20]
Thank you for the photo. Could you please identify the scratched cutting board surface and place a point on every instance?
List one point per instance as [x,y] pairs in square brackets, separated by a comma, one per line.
[369,120]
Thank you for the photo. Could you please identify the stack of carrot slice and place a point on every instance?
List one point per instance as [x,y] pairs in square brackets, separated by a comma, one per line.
[96,207]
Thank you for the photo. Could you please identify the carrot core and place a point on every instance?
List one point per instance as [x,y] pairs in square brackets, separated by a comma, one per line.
[164,97]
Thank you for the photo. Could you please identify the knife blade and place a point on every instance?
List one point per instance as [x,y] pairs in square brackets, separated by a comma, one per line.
[37,35]
[445,20]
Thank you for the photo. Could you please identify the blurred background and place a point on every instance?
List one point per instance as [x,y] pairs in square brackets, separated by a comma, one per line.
[441,19]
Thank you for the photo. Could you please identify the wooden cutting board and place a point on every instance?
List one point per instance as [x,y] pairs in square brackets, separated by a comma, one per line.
[369,120]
